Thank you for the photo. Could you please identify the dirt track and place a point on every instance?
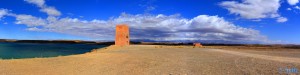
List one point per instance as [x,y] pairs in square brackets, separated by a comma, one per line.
[153,60]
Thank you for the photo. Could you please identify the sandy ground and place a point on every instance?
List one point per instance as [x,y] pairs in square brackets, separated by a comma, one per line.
[158,60]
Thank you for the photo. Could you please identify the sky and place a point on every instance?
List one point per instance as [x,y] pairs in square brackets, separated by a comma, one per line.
[220,21]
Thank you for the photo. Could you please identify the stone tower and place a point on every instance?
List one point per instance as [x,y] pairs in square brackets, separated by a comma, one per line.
[122,35]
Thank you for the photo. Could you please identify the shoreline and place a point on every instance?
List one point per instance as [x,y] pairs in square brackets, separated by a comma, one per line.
[12,51]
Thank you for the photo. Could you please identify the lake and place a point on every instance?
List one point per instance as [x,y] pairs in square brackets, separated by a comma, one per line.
[33,50]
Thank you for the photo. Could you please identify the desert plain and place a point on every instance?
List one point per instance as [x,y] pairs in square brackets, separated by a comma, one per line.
[162,60]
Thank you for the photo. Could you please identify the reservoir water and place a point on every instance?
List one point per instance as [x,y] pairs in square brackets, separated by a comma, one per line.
[33,50]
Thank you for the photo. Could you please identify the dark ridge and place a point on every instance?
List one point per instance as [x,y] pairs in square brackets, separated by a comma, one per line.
[57,41]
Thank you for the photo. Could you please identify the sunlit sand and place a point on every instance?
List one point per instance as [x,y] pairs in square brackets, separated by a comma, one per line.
[152,60]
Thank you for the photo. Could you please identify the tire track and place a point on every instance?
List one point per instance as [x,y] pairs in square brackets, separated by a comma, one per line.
[265,57]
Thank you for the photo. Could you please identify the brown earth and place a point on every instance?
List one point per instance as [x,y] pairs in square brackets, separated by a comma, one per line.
[159,60]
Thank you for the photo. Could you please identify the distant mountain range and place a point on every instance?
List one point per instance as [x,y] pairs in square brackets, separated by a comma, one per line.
[138,41]
[55,41]
[195,41]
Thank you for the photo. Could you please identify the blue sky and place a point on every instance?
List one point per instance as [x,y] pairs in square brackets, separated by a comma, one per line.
[264,21]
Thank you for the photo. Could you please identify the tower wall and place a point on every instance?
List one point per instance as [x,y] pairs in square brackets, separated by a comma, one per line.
[122,35]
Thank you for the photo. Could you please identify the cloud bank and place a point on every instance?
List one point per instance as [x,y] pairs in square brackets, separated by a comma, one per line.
[152,27]
[144,26]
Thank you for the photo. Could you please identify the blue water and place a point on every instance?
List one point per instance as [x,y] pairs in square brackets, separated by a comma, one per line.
[33,50]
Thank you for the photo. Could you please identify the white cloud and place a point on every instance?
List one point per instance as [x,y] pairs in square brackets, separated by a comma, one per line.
[293,2]
[33,29]
[51,11]
[3,12]
[148,5]
[297,7]
[29,20]
[282,19]
[150,8]
[39,3]
[253,9]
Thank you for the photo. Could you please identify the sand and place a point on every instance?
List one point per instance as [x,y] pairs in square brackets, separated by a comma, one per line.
[157,60]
